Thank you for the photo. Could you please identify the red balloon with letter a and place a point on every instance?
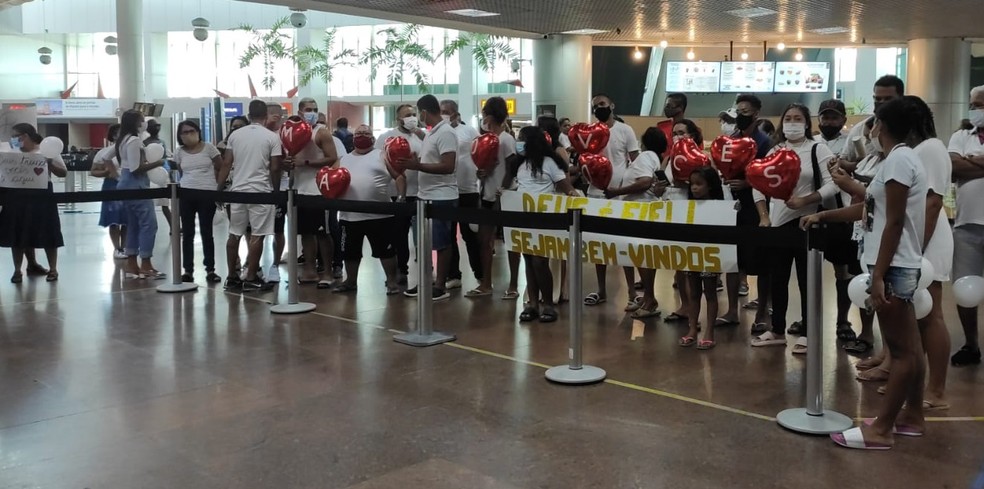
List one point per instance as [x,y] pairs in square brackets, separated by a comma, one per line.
[597,170]
[589,138]
[485,151]
[775,175]
[685,158]
[396,150]
[732,155]
[333,182]
[294,135]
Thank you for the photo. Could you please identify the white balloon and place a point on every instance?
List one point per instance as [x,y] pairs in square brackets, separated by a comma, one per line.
[926,274]
[473,227]
[154,152]
[159,177]
[857,290]
[969,291]
[51,147]
[922,302]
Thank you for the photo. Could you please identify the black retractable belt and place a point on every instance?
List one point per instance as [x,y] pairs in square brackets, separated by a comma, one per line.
[387,208]
[695,233]
[526,220]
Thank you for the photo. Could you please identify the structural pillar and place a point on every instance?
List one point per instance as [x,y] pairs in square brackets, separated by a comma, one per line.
[129,32]
[467,101]
[562,76]
[938,71]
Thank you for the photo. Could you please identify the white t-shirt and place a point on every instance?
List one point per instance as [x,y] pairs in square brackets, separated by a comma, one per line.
[252,148]
[492,182]
[857,132]
[621,141]
[415,146]
[464,170]
[442,139]
[565,141]
[780,214]
[130,159]
[902,165]
[936,163]
[370,182]
[644,166]
[542,183]
[197,170]
[836,145]
[107,156]
[970,194]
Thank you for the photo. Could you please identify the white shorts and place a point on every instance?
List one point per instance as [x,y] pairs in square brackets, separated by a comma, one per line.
[259,217]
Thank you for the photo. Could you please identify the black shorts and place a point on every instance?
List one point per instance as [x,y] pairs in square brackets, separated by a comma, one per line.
[281,220]
[378,231]
[489,205]
[311,221]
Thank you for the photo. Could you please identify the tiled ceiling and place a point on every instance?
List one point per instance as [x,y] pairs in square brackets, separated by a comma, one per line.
[694,21]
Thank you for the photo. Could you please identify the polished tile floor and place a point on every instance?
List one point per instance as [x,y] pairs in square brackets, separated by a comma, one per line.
[105,383]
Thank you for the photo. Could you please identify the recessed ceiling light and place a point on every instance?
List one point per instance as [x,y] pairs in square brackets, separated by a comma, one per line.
[744,55]
[798,56]
[781,46]
[470,12]
[691,55]
[830,30]
[750,13]
[584,32]
[663,44]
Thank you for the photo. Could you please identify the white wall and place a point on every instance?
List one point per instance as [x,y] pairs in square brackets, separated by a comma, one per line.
[22,76]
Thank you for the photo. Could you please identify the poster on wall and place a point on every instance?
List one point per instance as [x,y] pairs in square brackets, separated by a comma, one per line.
[76,107]
[808,76]
[747,76]
[693,76]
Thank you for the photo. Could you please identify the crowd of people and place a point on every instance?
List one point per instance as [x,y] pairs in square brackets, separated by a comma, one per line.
[884,180]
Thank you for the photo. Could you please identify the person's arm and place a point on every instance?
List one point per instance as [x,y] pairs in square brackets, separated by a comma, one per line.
[56,166]
[934,205]
[850,213]
[401,187]
[639,185]
[99,170]
[633,155]
[225,169]
[276,171]
[326,142]
[762,206]
[512,169]
[896,196]
[965,168]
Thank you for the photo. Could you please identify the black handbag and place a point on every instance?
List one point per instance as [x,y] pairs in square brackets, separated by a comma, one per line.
[837,246]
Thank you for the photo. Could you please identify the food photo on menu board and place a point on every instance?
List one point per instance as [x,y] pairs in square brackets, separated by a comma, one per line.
[693,76]
[802,76]
[747,76]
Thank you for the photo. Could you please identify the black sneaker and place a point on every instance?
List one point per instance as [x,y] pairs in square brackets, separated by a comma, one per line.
[213,278]
[797,328]
[966,356]
[440,294]
[187,277]
[234,284]
[256,285]
[410,292]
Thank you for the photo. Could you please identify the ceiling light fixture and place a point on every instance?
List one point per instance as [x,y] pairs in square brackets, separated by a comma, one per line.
[471,12]
[798,56]
[744,55]
[663,44]
[751,13]
[690,54]
[584,32]
[637,54]
[781,46]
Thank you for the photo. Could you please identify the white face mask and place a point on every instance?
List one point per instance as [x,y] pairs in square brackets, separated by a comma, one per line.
[311,118]
[727,128]
[446,118]
[677,138]
[143,127]
[794,130]
[977,117]
[485,126]
[410,123]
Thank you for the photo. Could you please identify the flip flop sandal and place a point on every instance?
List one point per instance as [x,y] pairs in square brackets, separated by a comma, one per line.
[323,284]
[928,406]
[643,313]
[854,438]
[687,341]
[528,314]
[845,333]
[725,322]
[675,317]
[706,344]
[633,304]
[344,288]
[899,429]
[154,275]
[307,281]
[751,305]
[510,295]
[868,364]
[870,375]
[548,316]
[858,347]
[392,290]
[36,269]
[52,277]
[17,278]
[478,293]
[593,299]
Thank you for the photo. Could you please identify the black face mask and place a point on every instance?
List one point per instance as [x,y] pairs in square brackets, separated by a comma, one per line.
[743,121]
[671,112]
[830,132]
[603,113]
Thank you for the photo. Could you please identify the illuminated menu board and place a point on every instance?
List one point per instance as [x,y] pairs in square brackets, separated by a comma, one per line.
[747,76]
[693,76]
[807,76]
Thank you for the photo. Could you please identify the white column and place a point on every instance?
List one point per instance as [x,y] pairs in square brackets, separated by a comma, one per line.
[467,101]
[316,89]
[155,65]
[938,71]
[562,75]
[129,32]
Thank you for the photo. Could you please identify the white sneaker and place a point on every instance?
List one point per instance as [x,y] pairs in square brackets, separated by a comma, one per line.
[800,347]
[453,284]
[119,255]
[273,276]
[769,339]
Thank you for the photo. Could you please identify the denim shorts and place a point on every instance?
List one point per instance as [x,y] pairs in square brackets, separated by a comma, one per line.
[443,232]
[900,282]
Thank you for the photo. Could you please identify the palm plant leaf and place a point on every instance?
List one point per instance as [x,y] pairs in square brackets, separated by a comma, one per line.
[269,46]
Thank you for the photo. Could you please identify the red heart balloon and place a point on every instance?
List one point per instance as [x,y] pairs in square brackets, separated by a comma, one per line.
[775,175]
[295,134]
[597,170]
[485,151]
[333,182]
[732,155]
[397,149]
[685,158]
[589,139]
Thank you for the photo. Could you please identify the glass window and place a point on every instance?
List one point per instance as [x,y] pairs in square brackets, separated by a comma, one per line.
[846,64]
[886,61]
[88,63]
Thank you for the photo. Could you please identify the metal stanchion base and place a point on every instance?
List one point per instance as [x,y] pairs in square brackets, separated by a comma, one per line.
[564,374]
[176,288]
[298,308]
[800,420]
[417,339]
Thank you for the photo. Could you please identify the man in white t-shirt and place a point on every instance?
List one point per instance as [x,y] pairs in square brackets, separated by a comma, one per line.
[312,226]
[404,188]
[438,185]
[467,176]
[256,153]
[274,121]
[371,179]
[886,89]
[622,150]
[967,155]
[832,115]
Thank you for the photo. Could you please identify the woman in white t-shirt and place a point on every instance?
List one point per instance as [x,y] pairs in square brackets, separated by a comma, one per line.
[539,173]
[794,128]
[141,226]
[198,163]
[894,225]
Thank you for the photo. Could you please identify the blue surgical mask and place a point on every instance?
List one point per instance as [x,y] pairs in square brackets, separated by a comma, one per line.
[521,147]
[15,143]
[311,118]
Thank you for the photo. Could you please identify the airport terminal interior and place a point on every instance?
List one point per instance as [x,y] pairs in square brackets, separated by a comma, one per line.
[362,378]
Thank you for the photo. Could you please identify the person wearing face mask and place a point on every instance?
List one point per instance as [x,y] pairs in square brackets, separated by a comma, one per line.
[404,188]
[342,133]
[467,177]
[727,120]
[832,116]
[886,89]
[198,162]
[794,126]
[675,110]
[371,178]
[312,226]
[622,149]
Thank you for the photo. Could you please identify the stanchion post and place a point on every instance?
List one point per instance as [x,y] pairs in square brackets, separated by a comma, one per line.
[813,419]
[292,306]
[424,334]
[575,372]
[176,284]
